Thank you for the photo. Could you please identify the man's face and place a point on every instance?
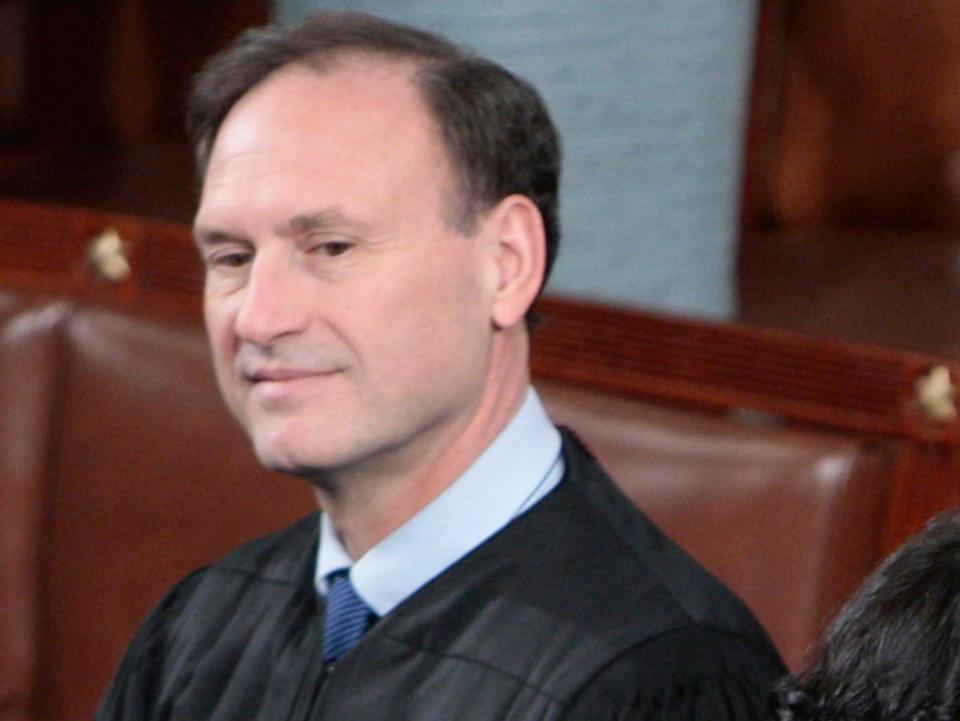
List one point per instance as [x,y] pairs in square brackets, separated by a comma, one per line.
[349,321]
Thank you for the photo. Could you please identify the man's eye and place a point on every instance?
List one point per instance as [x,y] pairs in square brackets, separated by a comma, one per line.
[228,260]
[332,248]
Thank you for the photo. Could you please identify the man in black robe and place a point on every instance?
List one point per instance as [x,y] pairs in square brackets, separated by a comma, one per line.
[378,214]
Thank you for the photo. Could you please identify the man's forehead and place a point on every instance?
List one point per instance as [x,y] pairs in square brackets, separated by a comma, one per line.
[350,77]
[357,93]
[360,121]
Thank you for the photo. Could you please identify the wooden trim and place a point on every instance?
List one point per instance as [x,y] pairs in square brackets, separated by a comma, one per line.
[44,248]
[726,365]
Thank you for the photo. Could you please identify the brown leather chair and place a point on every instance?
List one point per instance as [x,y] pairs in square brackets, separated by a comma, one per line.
[120,471]
[28,385]
[791,519]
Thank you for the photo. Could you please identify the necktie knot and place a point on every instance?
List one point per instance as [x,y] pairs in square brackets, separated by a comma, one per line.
[347,617]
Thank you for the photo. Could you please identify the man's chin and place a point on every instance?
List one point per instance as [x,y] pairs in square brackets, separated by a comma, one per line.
[286,463]
[309,463]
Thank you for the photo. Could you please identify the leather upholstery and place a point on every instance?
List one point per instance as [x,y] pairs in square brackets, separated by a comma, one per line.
[29,359]
[790,519]
[120,471]
[141,475]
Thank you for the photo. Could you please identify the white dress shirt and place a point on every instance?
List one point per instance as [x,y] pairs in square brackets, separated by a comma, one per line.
[520,467]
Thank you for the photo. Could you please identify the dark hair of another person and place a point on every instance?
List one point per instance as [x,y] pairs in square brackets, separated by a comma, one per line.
[893,653]
[496,127]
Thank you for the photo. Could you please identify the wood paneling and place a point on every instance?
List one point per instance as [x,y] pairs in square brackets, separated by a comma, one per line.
[856,116]
[96,97]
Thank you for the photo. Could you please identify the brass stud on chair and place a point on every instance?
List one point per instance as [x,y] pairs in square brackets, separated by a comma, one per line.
[107,257]
[936,394]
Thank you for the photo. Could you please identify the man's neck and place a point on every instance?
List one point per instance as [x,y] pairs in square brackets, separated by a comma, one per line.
[365,505]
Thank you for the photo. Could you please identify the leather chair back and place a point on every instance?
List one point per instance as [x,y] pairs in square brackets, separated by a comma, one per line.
[791,519]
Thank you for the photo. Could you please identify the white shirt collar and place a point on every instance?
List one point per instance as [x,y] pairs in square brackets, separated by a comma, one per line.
[518,469]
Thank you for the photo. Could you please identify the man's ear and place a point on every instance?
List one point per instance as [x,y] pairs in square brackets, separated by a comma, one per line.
[520,246]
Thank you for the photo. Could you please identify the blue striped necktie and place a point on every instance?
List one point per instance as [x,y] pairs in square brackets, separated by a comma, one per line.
[347,617]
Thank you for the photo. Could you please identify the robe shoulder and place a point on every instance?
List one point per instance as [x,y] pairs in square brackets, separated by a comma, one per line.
[697,673]
[211,613]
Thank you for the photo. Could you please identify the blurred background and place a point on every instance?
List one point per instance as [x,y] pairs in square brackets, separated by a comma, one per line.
[784,163]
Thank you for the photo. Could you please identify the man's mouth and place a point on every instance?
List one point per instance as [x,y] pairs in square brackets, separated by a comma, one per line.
[279,375]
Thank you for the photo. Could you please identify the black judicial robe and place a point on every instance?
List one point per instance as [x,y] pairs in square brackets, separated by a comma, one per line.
[579,609]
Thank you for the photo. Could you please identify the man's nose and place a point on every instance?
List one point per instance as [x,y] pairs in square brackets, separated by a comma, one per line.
[274,302]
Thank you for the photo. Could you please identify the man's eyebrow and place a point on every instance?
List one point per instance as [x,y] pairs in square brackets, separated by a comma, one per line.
[203,237]
[308,222]
[300,224]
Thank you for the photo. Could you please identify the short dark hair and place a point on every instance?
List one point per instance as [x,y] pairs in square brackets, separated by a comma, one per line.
[893,653]
[496,127]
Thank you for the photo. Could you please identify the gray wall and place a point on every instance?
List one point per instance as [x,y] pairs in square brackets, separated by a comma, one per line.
[650,99]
